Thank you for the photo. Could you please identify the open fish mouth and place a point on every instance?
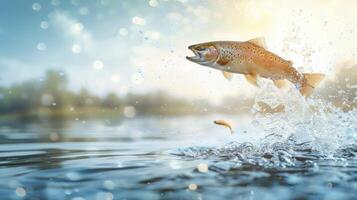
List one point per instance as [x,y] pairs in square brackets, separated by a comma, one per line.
[197,55]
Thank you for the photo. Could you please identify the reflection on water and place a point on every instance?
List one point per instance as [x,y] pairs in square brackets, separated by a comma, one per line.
[167,158]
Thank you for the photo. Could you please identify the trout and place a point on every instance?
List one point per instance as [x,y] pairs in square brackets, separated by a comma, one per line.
[224,123]
[252,59]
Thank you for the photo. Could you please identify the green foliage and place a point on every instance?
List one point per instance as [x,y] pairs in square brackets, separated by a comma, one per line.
[51,95]
[25,97]
[85,99]
[111,101]
[55,84]
[20,97]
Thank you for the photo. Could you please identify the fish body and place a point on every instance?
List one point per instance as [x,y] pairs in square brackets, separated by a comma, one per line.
[225,124]
[252,59]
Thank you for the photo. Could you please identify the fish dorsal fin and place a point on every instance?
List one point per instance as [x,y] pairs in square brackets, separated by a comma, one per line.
[259,41]
[290,63]
[227,75]
[252,79]
[280,83]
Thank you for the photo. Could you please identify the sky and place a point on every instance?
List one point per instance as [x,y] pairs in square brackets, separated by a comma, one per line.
[139,46]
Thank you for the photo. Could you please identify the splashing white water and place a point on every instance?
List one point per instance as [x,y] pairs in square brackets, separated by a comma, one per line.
[305,125]
[312,120]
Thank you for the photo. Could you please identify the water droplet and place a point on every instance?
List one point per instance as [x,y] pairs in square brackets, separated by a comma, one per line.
[44,25]
[98,65]
[41,46]
[76,49]
[202,167]
[36,7]
[192,187]
[77,28]
[20,191]
[129,111]
[138,21]
[153,3]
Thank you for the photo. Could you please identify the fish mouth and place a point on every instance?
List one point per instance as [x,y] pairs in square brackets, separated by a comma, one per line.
[197,56]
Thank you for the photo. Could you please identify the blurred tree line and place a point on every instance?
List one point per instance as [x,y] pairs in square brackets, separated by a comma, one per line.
[51,95]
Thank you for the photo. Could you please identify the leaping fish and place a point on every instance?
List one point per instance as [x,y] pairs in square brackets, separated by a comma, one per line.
[252,59]
[224,123]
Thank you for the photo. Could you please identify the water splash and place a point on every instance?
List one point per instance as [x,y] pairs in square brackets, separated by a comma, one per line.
[313,120]
[306,130]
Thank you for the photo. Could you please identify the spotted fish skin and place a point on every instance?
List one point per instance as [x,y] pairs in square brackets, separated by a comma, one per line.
[249,58]
[252,59]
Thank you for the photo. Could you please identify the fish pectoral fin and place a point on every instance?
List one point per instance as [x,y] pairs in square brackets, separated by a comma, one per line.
[280,83]
[252,79]
[259,41]
[227,75]
[223,61]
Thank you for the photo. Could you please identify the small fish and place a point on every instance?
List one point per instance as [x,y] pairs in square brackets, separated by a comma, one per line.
[224,123]
[252,59]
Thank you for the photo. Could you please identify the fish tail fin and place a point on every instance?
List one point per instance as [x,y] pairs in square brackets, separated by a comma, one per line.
[310,82]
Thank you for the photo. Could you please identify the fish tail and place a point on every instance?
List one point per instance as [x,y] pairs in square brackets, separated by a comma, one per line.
[309,82]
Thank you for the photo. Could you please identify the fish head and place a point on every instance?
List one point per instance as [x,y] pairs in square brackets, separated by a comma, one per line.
[205,53]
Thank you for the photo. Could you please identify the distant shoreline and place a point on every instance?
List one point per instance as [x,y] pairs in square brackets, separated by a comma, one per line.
[94,113]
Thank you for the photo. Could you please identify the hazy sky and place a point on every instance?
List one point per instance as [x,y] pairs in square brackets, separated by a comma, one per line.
[140,45]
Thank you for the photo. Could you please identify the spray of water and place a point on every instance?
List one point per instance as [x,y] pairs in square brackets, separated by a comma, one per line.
[296,130]
[304,130]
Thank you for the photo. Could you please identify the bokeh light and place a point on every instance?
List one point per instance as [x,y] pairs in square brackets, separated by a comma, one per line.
[98,64]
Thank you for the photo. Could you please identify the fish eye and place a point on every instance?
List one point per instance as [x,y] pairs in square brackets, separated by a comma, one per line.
[200,48]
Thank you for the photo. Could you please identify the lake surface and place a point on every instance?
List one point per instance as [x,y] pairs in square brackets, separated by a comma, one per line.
[271,157]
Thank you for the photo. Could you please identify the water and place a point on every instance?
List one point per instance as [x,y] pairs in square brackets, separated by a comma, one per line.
[172,158]
[306,152]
